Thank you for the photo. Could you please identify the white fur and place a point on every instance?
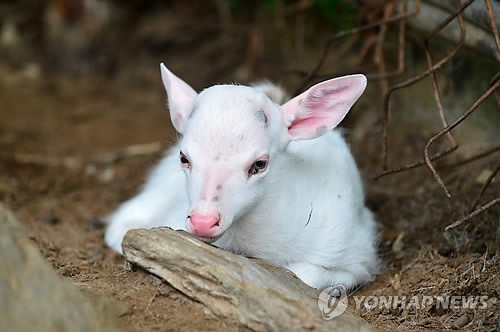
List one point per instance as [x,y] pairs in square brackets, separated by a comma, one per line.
[306,212]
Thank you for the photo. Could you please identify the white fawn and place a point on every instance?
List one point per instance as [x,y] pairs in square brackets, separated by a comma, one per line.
[262,179]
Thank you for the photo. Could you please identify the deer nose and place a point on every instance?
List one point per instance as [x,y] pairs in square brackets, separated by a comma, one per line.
[204,225]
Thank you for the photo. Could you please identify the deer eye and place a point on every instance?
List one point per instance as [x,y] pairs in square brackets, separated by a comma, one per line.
[184,160]
[258,167]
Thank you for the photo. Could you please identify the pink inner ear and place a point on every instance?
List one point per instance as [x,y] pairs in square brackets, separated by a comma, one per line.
[322,107]
[327,96]
[309,127]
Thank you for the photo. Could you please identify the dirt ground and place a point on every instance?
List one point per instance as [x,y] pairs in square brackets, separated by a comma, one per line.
[45,119]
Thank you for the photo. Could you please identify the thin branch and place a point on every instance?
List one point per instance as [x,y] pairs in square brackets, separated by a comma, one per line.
[326,49]
[473,214]
[493,25]
[421,76]
[449,128]
[478,156]
[401,50]
[416,164]
[435,87]
[379,58]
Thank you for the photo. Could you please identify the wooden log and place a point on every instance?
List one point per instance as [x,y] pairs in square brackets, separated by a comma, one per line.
[232,286]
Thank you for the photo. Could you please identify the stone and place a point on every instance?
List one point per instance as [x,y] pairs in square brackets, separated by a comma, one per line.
[34,298]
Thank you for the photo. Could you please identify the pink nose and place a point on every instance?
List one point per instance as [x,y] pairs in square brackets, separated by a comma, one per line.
[204,226]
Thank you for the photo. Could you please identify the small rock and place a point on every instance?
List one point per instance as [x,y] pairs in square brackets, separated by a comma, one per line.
[34,298]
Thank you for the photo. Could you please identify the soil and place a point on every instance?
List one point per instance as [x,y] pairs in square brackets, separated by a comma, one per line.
[60,203]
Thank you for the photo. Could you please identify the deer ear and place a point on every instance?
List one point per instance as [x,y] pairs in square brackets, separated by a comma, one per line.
[322,107]
[181,98]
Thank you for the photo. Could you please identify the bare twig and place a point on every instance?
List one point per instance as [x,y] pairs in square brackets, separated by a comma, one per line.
[473,214]
[421,76]
[365,48]
[493,25]
[478,156]
[435,87]
[379,59]
[376,43]
[326,49]
[401,50]
[449,128]
[416,164]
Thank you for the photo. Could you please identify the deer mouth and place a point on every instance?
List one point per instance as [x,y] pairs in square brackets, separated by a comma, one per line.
[210,239]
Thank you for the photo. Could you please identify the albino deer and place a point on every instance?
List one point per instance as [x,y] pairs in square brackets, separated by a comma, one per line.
[262,180]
